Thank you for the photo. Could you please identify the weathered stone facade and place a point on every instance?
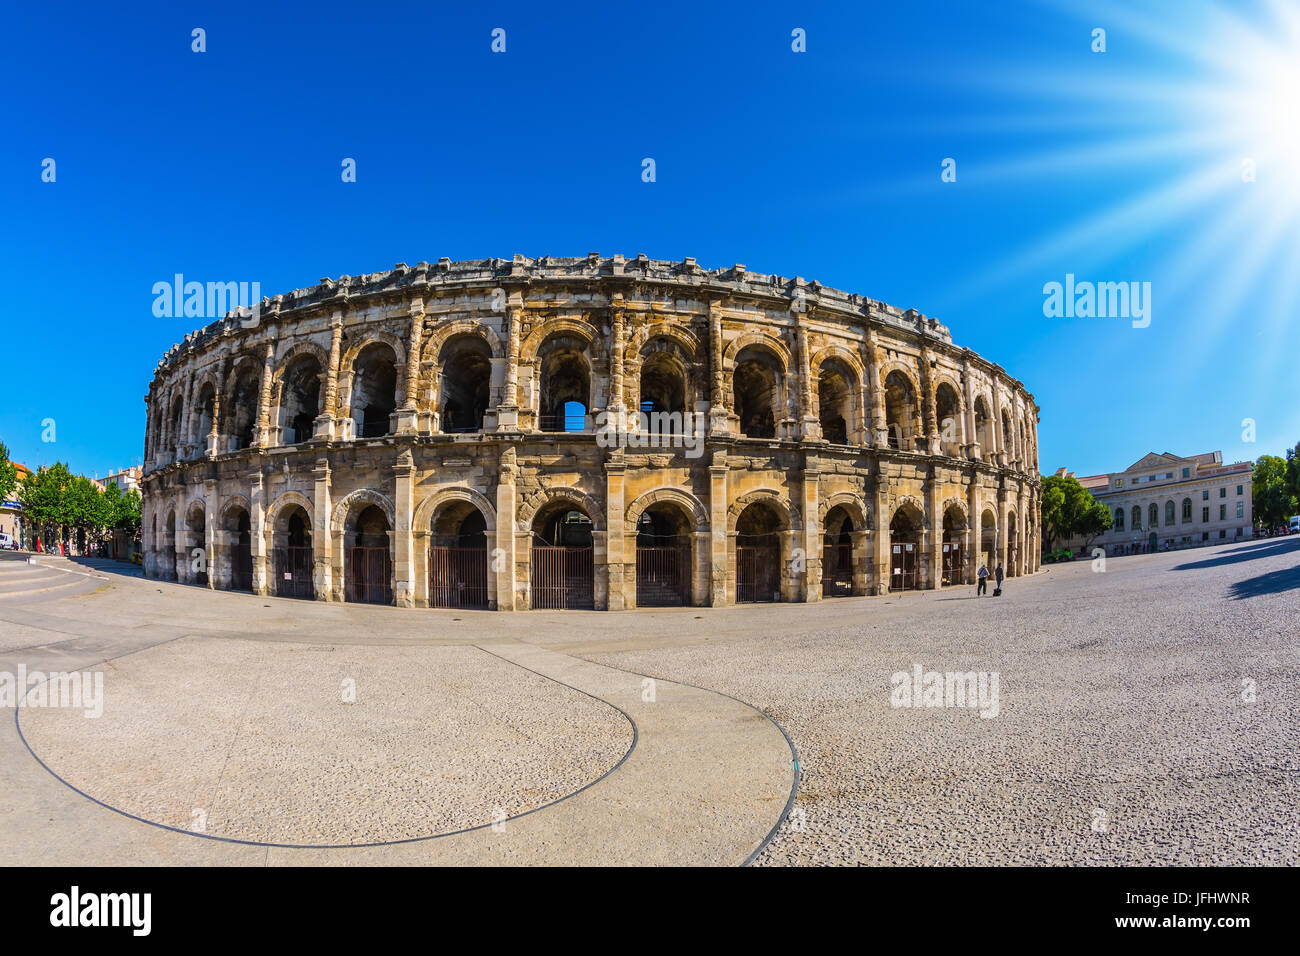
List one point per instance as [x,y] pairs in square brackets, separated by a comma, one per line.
[459,405]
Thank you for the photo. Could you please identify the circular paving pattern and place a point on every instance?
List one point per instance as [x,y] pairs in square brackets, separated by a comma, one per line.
[327,745]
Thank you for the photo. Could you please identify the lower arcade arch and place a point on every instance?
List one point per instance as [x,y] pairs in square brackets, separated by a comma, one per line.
[953,548]
[905,549]
[664,541]
[758,554]
[562,567]
[838,565]
[367,553]
[292,554]
[458,557]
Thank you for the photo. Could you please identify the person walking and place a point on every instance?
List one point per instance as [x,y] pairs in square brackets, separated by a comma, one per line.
[983,575]
[998,575]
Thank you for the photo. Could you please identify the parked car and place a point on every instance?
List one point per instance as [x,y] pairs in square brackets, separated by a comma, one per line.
[7,542]
[1294,526]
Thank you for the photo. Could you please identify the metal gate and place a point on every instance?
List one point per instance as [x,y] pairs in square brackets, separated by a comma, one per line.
[293,568]
[663,576]
[954,568]
[758,573]
[458,577]
[241,566]
[369,575]
[837,570]
[563,578]
[902,566]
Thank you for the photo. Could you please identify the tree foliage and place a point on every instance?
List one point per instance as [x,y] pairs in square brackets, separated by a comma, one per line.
[8,474]
[55,501]
[1068,509]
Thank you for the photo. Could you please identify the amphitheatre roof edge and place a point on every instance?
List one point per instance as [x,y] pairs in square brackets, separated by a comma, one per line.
[735,280]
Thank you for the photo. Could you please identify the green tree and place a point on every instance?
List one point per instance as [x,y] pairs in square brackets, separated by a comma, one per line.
[8,473]
[45,498]
[1273,497]
[1065,503]
[1096,520]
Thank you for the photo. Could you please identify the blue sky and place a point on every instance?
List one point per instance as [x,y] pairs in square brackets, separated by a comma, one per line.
[225,165]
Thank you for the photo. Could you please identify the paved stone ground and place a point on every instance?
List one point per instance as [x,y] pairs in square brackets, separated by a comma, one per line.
[1120,694]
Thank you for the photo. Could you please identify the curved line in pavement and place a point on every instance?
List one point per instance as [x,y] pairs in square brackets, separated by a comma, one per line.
[343,846]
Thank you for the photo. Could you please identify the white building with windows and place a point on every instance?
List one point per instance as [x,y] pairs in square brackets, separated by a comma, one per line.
[1165,501]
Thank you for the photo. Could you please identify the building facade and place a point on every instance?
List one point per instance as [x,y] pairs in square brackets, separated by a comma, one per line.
[11,512]
[1164,501]
[592,432]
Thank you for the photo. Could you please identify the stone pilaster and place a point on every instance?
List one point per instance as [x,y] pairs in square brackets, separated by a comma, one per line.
[324,425]
[718,560]
[812,535]
[502,560]
[403,542]
[321,534]
[615,516]
[258,532]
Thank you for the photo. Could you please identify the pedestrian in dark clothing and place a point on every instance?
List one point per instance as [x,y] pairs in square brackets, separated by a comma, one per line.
[998,575]
[983,586]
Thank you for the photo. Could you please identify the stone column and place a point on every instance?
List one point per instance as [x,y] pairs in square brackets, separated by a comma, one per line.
[881,570]
[257,532]
[718,558]
[504,556]
[324,427]
[975,532]
[935,529]
[214,433]
[406,418]
[999,440]
[719,406]
[871,356]
[403,543]
[321,537]
[929,422]
[1004,520]
[261,434]
[614,549]
[812,538]
[618,335]
[508,409]
[217,562]
[811,421]
[971,447]
[183,440]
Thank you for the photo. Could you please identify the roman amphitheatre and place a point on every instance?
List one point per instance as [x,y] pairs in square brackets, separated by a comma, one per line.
[431,436]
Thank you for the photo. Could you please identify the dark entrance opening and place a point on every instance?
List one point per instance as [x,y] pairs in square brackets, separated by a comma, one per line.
[293,562]
[904,552]
[758,555]
[954,559]
[837,554]
[563,561]
[369,572]
[241,554]
[663,558]
[458,558]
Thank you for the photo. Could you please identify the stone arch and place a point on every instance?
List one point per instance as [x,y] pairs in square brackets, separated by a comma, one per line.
[426,509]
[850,359]
[354,501]
[305,347]
[907,370]
[684,338]
[760,339]
[785,509]
[530,505]
[285,500]
[909,503]
[366,338]
[528,349]
[443,331]
[230,504]
[853,504]
[959,504]
[699,515]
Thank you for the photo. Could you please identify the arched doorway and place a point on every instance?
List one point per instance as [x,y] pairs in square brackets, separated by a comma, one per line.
[837,553]
[369,566]
[663,557]
[988,541]
[758,554]
[171,559]
[563,559]
[466,363]
[458,557]
[905,550]
[196,545]
[292,556]
[954,559]
[374,390]
[239,539]
[756,391]
[564,375]
[1013,546]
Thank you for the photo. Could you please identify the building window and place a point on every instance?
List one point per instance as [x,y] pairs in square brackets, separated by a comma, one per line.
[1205,515]
[1223,533]
[1205,494]
[1169,474]
[1223,491]
[1169,512]
[1223,512]
[1187,509]
[1119,519]
[1241,509]
[1137,517]
[1239,491]
[1205,536]
[1153,516]
[1187,472]
[1119,482]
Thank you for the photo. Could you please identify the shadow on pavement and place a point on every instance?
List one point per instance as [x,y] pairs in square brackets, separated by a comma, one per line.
[1242,554]
[1274,582]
